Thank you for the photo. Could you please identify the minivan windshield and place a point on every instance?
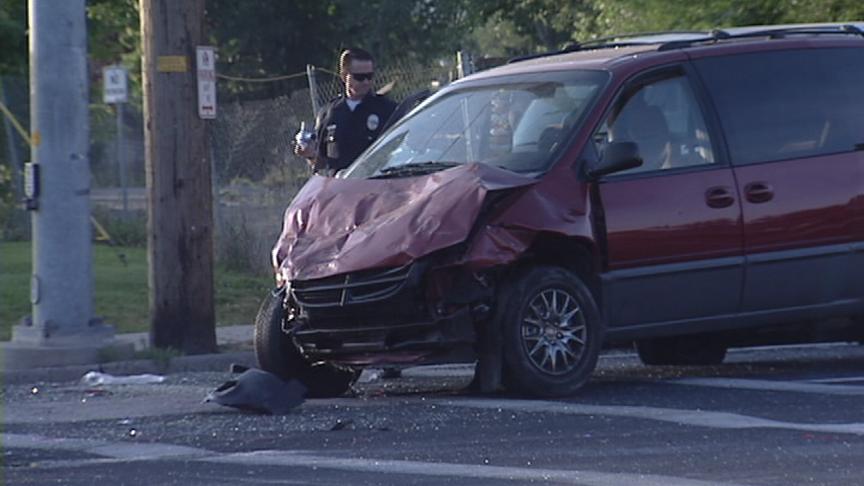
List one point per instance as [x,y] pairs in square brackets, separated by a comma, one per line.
[516,122]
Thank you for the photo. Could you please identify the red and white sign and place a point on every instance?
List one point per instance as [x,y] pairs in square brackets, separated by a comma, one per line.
[206,65]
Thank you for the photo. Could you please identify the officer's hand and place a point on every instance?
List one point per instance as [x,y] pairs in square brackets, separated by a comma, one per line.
[308,151]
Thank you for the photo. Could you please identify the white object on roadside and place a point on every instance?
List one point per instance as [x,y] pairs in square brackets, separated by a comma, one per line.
[95,378]
[369,375]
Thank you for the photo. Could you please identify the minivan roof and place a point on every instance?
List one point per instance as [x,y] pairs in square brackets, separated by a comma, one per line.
[733,32]
[603,53]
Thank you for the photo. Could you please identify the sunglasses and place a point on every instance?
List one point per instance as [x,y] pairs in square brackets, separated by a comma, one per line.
[362,76]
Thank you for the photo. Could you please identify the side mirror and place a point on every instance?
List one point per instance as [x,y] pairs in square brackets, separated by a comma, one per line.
[618,156]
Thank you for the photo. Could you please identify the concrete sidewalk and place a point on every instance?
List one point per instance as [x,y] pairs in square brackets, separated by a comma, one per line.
[226,336]
[236,341]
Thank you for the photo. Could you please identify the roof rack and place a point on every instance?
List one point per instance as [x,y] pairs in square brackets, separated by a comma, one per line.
[570,48]
[689,38]
[772,33]
[604,43]
[617,40]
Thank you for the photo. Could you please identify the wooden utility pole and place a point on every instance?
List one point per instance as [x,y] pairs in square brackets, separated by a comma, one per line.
[179,213]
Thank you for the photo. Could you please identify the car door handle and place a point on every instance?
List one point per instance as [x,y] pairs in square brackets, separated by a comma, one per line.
[758,192]
[719,197]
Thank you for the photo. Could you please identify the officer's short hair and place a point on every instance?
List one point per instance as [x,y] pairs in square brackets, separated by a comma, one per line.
[352,54]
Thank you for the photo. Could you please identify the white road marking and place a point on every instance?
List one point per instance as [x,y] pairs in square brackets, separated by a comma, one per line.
[718,420]
[771,385]
[169,399]
[848,379]
[439,469]
[123,451]
[115,450]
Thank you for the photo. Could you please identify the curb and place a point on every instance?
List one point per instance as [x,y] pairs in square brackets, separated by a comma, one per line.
[201,362]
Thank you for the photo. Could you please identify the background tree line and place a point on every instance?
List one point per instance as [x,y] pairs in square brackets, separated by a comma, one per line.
[259,38]
[266,38]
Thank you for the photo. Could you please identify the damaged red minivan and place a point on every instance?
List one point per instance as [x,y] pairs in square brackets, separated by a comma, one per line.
[686,192]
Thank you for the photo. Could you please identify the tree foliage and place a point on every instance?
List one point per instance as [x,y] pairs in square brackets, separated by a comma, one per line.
[261,39]
[654,15]
[268,38]
[547,24]
[551,24]
[114,31]
[13,38]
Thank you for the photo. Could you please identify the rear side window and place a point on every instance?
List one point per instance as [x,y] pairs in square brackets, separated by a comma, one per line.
[788,104]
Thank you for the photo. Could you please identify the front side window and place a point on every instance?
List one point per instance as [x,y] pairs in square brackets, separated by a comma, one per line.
[666,123]
[516,122]
[788,104]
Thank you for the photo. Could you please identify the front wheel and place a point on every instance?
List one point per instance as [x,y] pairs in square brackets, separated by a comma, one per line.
[277,353]
[552,332]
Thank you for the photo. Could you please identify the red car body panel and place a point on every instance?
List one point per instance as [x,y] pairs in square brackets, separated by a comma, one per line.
[811,203]
[858,202]
[337,226]
[649,224]
[556,205]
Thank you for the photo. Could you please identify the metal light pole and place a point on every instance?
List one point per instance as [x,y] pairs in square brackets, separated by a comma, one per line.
[62,329]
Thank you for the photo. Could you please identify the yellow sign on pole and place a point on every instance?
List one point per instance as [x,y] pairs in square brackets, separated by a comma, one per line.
[172,64]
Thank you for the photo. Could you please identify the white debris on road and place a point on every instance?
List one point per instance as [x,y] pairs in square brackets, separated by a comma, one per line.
[95,378]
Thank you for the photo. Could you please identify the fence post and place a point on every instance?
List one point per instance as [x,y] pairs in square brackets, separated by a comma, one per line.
[121,161]
[313,89]
[464,66]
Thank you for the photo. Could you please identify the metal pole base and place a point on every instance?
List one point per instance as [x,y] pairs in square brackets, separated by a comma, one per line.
[32,347]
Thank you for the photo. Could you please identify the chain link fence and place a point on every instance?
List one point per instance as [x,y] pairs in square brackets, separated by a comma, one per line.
[255,174]
[14,152]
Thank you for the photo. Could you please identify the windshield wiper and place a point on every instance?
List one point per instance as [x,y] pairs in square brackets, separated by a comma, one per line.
[414,168]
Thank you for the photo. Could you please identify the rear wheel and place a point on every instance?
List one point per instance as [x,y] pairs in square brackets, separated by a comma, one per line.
[552,332]
[277,353]
[681,351]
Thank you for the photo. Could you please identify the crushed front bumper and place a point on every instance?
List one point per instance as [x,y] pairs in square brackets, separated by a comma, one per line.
[378,316]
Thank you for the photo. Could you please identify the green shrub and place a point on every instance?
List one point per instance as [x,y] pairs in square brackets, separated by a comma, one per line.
[235,246]
[124,229]
[7,196]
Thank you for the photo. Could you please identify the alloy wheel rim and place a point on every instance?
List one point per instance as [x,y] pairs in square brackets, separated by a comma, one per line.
[554,331]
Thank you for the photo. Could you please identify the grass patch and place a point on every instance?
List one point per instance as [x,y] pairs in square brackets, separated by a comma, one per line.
[120,291]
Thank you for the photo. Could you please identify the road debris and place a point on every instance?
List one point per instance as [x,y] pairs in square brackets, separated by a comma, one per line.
[259,391]
[369,375]
[96,378]
[342,425]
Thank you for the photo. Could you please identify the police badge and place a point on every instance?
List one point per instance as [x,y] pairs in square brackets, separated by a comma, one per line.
[372,122]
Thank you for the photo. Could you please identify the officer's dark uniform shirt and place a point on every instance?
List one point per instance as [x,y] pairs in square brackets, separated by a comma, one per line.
[343,134]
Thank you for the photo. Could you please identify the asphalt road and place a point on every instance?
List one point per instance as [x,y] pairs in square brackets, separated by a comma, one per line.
[771,416]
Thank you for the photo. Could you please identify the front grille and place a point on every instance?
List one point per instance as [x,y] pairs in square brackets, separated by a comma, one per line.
[353,288]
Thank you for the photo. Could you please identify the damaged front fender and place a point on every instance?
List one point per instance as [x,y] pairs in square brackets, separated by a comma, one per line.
[339,226]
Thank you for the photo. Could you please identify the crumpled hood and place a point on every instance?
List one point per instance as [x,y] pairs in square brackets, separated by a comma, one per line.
[335,226]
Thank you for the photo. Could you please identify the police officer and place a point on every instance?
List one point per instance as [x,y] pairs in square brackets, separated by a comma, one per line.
[350,122]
